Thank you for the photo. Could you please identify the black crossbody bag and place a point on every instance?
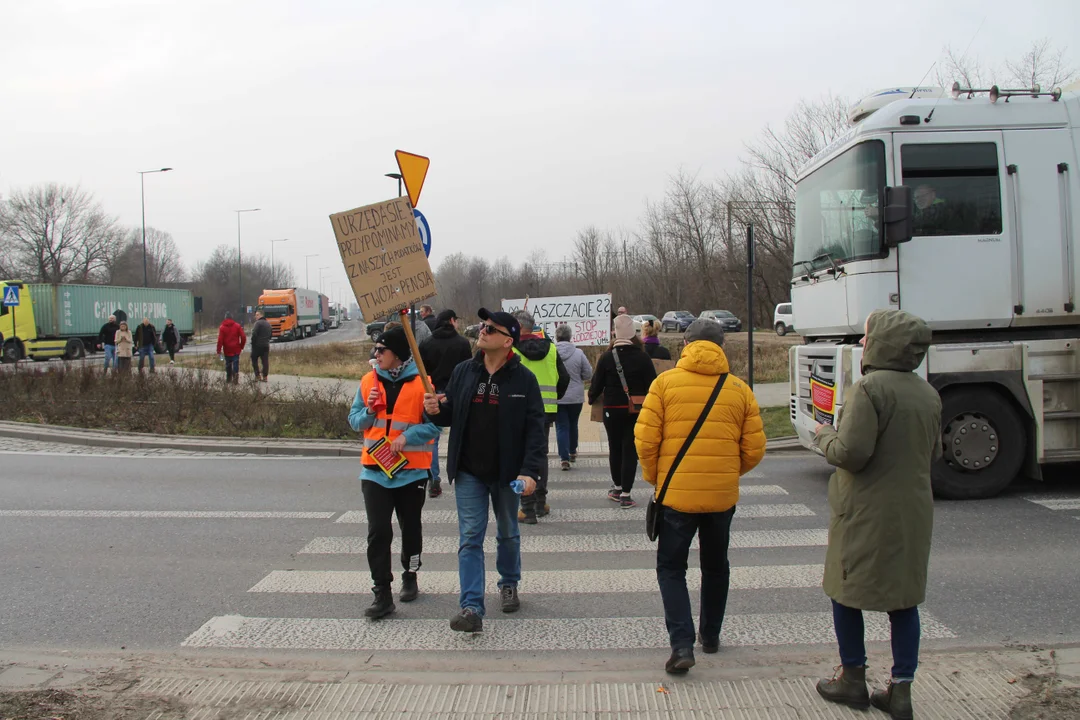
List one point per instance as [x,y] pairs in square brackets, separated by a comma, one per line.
[655,509]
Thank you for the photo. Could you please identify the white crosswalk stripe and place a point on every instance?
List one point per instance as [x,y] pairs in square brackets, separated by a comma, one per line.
[1056,502]
[616,514]
[587,547]
[636,542]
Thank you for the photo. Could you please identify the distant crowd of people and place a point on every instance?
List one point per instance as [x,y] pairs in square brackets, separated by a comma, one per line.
[120,345]
[694,429]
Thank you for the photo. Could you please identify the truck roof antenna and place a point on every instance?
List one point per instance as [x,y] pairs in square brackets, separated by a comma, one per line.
[977,31]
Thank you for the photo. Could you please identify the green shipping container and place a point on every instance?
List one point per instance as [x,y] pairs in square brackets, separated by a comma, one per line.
[81,310]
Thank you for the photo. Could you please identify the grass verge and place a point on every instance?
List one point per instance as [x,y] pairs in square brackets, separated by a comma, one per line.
[170,404]
[777,421]
[340,360]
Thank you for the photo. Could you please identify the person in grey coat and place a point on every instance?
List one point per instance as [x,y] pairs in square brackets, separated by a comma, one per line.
[261,335]
[566,420]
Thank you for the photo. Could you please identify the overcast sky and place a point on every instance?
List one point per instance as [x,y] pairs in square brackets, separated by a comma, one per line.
[539,118]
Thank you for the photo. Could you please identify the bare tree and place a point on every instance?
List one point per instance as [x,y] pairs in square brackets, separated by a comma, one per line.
[961,68]
[57,233]
[587,254]
[163,265]
[1042,65]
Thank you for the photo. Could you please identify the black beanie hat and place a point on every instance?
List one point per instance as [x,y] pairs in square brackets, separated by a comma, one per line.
[395,341]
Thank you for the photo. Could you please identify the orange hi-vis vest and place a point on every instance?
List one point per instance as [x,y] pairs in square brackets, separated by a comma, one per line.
[408,412]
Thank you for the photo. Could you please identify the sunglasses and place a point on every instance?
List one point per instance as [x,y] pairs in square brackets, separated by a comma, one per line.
[490,329]
[380,350]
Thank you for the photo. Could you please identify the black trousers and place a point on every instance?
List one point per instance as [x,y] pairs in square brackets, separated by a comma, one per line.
[381,504]
[622,453]
[529,503]
[262,354]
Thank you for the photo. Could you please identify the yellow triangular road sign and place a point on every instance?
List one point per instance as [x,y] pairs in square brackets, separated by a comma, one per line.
[413,170]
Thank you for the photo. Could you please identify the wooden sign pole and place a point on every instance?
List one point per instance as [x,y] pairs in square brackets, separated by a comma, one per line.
[415,350]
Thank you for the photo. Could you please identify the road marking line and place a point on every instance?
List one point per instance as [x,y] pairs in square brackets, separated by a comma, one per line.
[588,634]
[641,494]
[541,582]
[637,514]
[195,514]
[624,542]
[1056,503]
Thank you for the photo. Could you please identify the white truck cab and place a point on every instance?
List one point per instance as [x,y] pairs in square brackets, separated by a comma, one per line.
[959,207]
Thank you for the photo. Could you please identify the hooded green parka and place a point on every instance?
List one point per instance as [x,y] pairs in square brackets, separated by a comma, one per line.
[880,499]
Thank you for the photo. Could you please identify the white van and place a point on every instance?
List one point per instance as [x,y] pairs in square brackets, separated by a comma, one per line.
[782,319]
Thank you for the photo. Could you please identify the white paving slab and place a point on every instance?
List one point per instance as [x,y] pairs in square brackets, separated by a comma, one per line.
[637,542]
[758,577]
[186,514]
[612,514]
[236,631]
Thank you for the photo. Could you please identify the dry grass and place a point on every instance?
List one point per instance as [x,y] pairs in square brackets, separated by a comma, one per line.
[170,404]
[777,421]
[342,360]
[770,357]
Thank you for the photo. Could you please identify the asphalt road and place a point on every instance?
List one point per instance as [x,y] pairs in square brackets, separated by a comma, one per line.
[205,554]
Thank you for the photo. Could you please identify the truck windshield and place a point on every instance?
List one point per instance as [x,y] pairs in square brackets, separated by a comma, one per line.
[836,209]
[274,311]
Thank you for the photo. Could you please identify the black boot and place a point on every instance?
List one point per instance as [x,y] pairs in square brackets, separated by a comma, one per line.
[383,604]
[848,687]
[896,700]
[680,662]
[409,588]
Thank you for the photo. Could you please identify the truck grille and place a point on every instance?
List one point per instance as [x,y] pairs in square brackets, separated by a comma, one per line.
[819,362]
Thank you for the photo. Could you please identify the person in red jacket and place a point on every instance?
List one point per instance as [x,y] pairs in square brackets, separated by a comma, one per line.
[230,341]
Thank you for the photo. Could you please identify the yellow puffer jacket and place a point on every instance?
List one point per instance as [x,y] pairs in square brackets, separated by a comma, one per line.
[729,444]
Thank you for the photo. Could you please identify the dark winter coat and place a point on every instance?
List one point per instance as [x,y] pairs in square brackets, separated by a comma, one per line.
[656,351]
[880,499]
[170,336]
[639,371]
[145,335]
[431,321]
[442,352]
[107,334]
[520,431]
[261,334]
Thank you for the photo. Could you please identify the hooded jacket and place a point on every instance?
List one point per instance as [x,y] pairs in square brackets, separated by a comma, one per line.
[442,352]
[729,444]
[361,418]
[230,338]
[536,348]
[578,370]
[880,500]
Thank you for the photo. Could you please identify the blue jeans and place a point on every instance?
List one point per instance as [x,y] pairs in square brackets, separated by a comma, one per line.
[232,367]
[472,496]
[905,639]
[677,531]
[144,352]
[110,356]
[436,478]
[566,430]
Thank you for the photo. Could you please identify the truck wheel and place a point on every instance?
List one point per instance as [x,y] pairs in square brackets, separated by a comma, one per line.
[781,329]
[984,444]
[12,351]
[75,350]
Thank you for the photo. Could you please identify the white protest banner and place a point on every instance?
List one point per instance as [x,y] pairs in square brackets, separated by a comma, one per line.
[384,257]
[589,316]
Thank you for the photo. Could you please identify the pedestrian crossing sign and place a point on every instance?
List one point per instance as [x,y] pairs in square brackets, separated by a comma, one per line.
[11,296]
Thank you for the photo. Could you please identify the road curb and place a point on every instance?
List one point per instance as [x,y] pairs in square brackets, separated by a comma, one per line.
[247,446]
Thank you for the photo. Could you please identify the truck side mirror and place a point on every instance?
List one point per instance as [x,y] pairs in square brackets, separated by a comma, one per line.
[899,215]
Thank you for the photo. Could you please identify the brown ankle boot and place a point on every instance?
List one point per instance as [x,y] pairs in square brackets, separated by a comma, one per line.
[895,700]
[848,687]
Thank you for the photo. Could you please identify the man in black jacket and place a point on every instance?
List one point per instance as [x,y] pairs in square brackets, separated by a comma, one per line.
[427,315]
[441,353]
[261,334]
[495,413]
[146,338]
[107,336]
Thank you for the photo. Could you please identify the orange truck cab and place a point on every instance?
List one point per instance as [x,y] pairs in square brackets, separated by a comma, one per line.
[293,313]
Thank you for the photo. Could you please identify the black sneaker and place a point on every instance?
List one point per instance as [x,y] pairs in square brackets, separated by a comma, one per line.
[573,457]
[409,588]
[615,494]
[435,490]
[467,621]
[626,501]
[510,601]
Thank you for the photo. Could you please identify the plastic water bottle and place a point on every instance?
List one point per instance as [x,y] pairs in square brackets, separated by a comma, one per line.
[517,486]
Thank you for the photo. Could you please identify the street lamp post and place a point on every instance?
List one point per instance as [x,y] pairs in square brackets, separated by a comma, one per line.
[327,267]
[273,276]
[142,186]
[307,275]
[239,265]
[399,178]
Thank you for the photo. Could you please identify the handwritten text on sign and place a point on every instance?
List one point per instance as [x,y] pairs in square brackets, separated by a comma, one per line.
[384,257]
[589,316]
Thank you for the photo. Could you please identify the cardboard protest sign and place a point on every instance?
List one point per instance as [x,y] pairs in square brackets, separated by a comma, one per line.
[589,316]
[383,256]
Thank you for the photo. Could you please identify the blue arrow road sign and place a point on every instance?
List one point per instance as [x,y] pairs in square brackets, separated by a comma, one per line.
[11,296]
[425,231]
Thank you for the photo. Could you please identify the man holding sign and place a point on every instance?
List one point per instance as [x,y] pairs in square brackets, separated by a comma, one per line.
[495,413]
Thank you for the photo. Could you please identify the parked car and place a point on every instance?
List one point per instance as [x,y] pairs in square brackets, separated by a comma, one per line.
[725,318]
[640,320]
[676,321]
[782,319]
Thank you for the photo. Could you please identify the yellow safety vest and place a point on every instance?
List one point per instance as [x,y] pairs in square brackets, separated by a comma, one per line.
[547,375]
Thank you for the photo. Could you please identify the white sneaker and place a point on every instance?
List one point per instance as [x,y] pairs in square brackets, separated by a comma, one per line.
[172,362]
